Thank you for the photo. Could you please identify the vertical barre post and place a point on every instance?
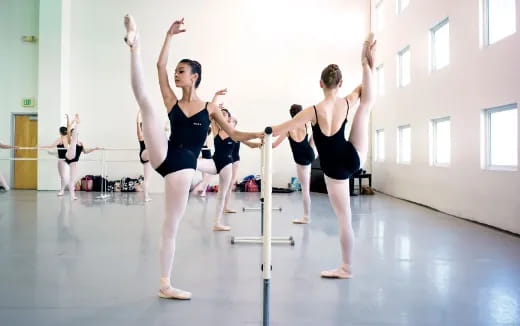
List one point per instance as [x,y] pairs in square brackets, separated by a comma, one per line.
[267,197]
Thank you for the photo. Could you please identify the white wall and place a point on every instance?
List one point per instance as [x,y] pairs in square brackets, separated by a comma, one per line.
[476,78]
[18,67]
[268,54]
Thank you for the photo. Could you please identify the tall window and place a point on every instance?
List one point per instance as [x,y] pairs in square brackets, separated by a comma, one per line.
[380,145]
[501,137]
[440,142]
[440,45]
[403,67]
[380,71]
[404,144]
[402,4]
[379,16]
[499,19]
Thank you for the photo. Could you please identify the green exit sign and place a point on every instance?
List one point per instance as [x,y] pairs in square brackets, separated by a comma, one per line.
[28,102]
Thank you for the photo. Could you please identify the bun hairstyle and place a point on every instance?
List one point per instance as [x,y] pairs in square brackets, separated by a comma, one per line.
[63,131]
[226,110]
[295,109]
[196,68]
[331,76]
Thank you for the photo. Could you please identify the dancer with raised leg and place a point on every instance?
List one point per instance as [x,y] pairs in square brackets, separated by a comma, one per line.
[340,158]
[175,159]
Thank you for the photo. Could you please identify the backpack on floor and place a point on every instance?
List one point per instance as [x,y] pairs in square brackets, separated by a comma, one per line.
[87,183]
[251,186]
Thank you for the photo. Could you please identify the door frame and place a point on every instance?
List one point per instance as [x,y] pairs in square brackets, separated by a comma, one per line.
[13,124]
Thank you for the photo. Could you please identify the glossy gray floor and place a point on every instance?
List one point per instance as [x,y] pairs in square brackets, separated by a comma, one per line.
[92,262]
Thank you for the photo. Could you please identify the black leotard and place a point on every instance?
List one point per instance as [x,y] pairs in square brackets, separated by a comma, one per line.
[79,149]
[223,152]
[61,151]
[142,148]
[303,153]
[186,140]
[338,157]
[236,152]
[206,152]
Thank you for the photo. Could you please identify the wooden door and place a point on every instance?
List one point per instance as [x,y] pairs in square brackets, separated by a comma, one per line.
[26,135]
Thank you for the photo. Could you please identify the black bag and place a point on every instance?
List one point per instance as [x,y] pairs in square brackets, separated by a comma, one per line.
[128,184]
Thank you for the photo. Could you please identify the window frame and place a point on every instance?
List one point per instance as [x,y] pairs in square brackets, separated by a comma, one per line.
[433,30]
[486,114]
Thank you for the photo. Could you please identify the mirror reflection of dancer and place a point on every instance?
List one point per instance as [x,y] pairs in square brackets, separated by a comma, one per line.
[3,182]
[303,155]
[175,159]
[340,158]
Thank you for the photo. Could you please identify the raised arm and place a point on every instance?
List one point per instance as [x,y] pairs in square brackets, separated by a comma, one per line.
[236,135]
[298,121]
[279,140]
[168,95]
[217,94]
[354,96]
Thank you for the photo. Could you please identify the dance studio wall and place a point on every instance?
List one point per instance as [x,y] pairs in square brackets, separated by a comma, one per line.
[476,78]
[18,67]
[269,54]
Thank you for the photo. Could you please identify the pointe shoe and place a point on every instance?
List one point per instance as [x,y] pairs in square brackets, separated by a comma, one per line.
[147,199]
[339,272]
[229,211]
[302,220]
[131,30]
[173,293]
[221,227]
[368,53]
[61,193]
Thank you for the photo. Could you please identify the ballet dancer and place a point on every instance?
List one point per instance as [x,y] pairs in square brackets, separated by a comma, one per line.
[176,159]
[340,158]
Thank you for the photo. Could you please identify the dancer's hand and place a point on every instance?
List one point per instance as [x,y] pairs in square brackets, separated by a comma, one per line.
[221,92]
[175,28]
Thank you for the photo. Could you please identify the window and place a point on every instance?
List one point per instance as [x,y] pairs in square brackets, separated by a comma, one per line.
[380,70]
[379,16]
[501,137]
[440,142]
[380,145]
[404,144]
[499,20]
[403,67]
[401,5]
[440,45]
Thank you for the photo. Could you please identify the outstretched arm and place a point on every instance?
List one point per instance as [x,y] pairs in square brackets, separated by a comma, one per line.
[168,95]
[7,146]
[279,140]
[298,121]
[236,135]
[252,144]
[56,142]
[90,150]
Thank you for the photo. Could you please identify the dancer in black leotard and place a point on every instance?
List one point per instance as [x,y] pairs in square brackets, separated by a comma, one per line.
[340,158]
[74,152]
[303,155]
[175,159]
[143,157]
[61,144]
